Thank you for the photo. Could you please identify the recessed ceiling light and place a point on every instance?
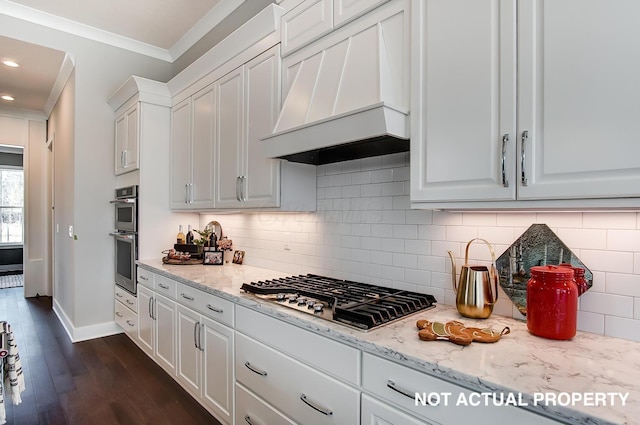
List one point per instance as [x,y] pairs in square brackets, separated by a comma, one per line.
[7,97]
[11,63]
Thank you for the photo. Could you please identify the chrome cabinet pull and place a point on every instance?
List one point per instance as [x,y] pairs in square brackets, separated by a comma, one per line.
[118,294]
[315,406]
[119,314]
[238,181]
[130,323]
[255,369]
[130,302]
[191,193]
[186,297]
[392,385]
[215,309]
[200,330]
[243,184]
[247,419]
[523,157]
[124,158]
[196,327]
[143,277]
[186,193]
[163,286]
[151,307]
[505,181]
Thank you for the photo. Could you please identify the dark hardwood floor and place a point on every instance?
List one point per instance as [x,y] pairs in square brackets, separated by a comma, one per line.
[102,381]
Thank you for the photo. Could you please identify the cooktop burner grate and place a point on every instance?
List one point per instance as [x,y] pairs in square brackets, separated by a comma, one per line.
[359,305]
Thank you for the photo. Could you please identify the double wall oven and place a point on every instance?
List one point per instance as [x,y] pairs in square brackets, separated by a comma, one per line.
[126,237]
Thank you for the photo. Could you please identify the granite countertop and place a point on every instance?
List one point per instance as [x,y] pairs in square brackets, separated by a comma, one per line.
[520,363]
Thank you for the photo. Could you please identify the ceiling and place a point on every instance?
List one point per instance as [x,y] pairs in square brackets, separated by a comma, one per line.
[162,29]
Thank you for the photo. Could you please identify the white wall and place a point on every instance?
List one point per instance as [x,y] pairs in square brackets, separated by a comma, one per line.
[86,264]
[365,230]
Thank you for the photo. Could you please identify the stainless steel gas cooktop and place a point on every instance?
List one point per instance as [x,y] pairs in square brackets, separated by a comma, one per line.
[358,305]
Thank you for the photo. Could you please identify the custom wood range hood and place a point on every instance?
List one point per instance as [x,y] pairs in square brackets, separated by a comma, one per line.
[346,96]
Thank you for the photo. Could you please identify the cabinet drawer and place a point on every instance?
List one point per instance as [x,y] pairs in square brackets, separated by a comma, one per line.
[126,298]
[306,22]
[166,286]
[387,380]
[208,304]
[127,319]
[145,278]
[300,392]
[328,355]
[252,410]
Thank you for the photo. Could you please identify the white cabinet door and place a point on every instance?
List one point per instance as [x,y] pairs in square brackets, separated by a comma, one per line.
[146,334]
[165,332]
[127,140]
[189,366]
[230,112]
[463,144]
[202,151]
[217,368]
[308,21]
[261,182]
[579,63]
[347,10]
[375,412]
[180,168]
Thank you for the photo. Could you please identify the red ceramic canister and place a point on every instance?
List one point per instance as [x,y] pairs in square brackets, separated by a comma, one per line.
[578,275]
[552,302]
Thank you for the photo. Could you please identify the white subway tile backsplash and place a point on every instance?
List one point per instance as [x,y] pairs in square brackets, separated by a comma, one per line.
[590,322]
[607,261]
[606,220]
[484,219]
[405,231]
[623,284]
[614,305]
[584,238]
[560,219]
[623,240]
[461,233]
[364,229]
[622,328]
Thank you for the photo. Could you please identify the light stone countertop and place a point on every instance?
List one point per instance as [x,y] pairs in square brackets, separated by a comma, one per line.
[520,363]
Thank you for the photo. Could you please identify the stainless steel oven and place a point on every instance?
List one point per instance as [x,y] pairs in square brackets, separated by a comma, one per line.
[126,237]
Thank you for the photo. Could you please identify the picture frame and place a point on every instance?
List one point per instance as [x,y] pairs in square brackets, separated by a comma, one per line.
[238,257]
[213,258]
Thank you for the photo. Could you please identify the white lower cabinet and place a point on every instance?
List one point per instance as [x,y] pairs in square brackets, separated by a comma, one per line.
[205,361]
[252,410]
[125,310]
[157,328]
[297,390]
[375,412]
[399,385]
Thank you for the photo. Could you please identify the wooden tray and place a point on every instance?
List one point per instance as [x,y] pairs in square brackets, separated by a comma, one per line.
[189,262]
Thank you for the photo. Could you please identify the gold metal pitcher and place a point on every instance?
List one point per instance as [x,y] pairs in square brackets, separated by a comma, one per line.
[477,291]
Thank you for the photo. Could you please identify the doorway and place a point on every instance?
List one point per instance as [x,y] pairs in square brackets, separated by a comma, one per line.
[11,216]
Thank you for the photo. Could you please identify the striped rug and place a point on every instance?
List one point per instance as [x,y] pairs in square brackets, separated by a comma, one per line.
[11,281]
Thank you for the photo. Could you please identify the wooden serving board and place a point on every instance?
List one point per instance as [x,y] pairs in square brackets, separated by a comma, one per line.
[189,262]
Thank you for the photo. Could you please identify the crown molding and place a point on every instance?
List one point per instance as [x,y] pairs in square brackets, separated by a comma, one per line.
[81,30]
[68,63]
[203,26]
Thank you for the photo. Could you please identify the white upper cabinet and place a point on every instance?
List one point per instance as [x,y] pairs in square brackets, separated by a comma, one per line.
[347,10]
[466,132]
[570,70]
[192,151]
[127,140]
[579,64]
[308,21]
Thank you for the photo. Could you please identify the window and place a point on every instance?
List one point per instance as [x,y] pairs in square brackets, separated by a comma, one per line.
[11,206]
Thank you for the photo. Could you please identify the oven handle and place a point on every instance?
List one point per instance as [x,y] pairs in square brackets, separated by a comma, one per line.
[123,201]
[128,236]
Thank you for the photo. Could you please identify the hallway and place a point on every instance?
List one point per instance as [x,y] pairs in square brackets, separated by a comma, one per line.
[101,381]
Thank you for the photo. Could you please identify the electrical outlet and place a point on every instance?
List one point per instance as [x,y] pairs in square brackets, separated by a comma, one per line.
[71,231]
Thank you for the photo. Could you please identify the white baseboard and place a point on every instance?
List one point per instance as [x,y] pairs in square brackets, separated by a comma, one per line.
[85,332]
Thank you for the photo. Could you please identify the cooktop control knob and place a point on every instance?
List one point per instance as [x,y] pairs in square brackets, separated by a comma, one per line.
[301,301]
[280,297]
[317,307]
[293,298]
